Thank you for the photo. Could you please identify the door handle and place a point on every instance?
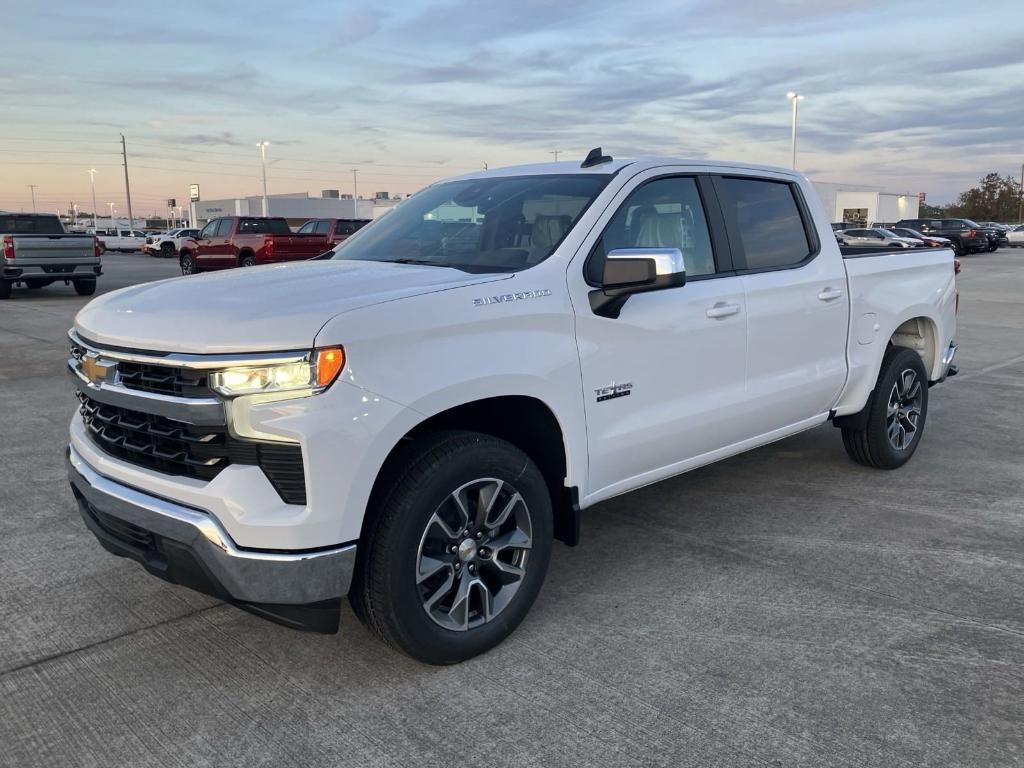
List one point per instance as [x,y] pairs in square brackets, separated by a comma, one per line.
[830,294]
[721,309]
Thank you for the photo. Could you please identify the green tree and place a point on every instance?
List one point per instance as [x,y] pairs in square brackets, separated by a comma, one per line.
[926,211]
[996,198]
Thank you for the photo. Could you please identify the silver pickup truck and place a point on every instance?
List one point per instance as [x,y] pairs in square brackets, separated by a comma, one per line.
[37,251]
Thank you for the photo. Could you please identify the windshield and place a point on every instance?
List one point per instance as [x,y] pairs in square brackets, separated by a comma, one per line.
[30,225]
[479,225]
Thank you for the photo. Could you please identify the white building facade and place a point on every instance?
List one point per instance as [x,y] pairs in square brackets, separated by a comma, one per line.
[865,205]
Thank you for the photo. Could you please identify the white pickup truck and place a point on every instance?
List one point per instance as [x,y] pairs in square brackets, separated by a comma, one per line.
[413,420]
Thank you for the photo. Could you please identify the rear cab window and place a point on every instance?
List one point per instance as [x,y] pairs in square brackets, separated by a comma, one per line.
[30,225]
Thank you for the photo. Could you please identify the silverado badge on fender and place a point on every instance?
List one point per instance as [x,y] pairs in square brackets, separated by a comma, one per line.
[484,301]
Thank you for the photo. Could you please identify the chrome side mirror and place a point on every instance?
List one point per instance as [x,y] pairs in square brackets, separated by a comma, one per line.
[636,270]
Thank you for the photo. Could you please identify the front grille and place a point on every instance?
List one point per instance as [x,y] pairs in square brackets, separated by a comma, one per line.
[164,379]
[176,448]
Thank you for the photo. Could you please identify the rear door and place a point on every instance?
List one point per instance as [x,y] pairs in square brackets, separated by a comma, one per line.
[796,303]
[662,380]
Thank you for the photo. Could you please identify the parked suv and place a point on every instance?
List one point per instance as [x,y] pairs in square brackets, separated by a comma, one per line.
[967,236]
[166,244]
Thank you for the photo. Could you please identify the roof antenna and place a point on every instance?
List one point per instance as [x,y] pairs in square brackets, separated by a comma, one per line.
[594,157]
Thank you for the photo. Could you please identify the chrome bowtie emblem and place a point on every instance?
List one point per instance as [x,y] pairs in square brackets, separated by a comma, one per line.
[95,370]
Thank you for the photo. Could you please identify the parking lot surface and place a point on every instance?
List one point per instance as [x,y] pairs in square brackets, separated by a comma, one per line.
[783,608]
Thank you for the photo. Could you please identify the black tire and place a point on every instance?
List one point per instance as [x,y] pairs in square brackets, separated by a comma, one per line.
[869,443]
[85,286]
[247,260]
[385,593]
[187,262]
[5,289]
[167,250]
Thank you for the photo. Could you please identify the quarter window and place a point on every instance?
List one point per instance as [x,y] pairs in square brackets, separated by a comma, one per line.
[664,213]
[766,215]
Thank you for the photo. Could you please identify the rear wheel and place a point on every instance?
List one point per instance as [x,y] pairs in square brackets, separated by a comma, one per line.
[457,549]
[247,260]
[85,286]
[5,289]
[891,426]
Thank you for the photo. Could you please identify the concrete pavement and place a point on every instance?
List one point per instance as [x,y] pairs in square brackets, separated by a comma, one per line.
[783,608]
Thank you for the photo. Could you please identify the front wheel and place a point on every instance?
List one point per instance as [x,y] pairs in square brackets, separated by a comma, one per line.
[895,413]
[457,549]
[167,250]
[188,263]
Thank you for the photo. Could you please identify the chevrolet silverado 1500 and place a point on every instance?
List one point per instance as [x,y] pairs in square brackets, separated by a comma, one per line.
[413,421]
[246,241]
[35,251]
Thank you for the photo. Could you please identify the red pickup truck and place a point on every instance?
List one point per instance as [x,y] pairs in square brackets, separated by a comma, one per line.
[245,241]
[335,230]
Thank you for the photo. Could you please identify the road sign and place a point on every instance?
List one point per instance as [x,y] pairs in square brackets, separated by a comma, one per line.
[171,202]
[193,192]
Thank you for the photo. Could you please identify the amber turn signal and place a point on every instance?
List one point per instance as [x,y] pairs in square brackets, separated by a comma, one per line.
[329,362]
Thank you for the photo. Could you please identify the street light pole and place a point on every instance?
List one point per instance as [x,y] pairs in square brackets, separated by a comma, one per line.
[355,187]
[32,187]
[263,160]
[555,152]
[92,183]
[1020,197]
[113,226]
[796,98]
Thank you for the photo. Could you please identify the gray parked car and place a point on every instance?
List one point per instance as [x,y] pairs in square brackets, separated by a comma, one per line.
[878,237]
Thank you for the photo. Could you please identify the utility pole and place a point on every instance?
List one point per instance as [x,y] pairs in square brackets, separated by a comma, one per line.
[127,190]
[555,153]
[92,183]
[263,160]
[33,188]
[355,185]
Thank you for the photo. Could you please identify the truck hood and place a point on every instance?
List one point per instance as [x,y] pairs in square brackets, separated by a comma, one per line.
[257,309]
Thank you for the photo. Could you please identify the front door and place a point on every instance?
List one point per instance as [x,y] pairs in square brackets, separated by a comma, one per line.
[662,380]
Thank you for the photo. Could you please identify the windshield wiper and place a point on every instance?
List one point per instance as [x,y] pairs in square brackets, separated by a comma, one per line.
[424,262]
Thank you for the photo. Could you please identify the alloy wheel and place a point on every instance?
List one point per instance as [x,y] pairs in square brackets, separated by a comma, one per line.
[904,411]
[473,554]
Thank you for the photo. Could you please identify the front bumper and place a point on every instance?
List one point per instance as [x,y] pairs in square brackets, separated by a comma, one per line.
[188,546]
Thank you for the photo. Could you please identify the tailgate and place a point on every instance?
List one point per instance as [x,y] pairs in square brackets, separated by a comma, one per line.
[40,249]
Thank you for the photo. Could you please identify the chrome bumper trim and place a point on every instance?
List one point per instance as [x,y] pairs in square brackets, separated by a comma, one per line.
[201,411]
[249,576]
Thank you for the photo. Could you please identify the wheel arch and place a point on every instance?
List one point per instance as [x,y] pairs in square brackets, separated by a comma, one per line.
[523,420]
[921,334]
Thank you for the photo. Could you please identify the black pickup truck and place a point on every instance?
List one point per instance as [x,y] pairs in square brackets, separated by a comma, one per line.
[36,251]
[967,236]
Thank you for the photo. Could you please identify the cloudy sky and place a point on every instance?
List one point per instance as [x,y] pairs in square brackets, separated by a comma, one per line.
[914,96]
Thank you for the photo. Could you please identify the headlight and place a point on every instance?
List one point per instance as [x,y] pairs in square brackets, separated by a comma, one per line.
[313,375]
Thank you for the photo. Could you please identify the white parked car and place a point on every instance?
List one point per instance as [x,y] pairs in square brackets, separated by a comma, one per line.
[415,420]
[167,244]
[124,240]
[1015,236]
[877,237]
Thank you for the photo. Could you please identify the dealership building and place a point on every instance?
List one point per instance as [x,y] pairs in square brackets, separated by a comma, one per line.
[866,205]
[297,207]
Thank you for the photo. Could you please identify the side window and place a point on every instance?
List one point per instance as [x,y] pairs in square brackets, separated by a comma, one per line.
[224,229]
[322,227]
[307,228]
[663,213]
[766,215]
